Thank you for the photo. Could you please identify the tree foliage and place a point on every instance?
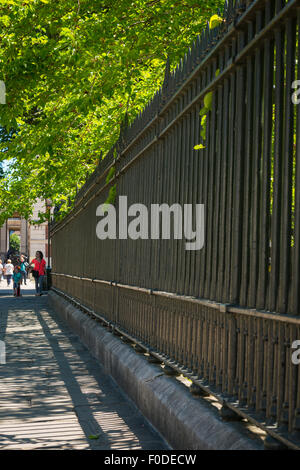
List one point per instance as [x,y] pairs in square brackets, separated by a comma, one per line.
[72,69]
[14,243]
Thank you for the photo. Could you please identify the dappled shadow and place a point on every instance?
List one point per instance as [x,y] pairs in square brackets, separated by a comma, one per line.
[54,394]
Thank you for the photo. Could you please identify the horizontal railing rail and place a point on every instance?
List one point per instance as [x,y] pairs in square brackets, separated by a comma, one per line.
[295,320]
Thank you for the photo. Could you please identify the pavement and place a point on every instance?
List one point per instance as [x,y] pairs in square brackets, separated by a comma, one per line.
[6,290]
[53,393]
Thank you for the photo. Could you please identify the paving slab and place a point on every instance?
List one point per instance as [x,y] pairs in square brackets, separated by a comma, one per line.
[53,393]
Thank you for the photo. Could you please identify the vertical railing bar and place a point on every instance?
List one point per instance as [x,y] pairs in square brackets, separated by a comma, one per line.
[277,184]
[259,369]
[280,372]
[193,199]
[211,142]
[238,186]
[296,250]
[224,189]
[251,342]
[266,174]
[232,355]
[198,186]
[187,196]
[287,169]
[217,229]
[204,187]
[228,253]
[256,168]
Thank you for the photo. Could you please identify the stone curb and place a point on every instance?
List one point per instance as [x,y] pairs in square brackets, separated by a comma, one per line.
[185,422]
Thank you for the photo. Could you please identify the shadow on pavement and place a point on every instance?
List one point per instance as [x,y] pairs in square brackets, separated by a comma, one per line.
[54,394]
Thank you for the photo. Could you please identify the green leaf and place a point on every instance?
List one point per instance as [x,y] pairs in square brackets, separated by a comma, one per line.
[199,147]
[111,195]
[214,21]
[110,174]
[208,100]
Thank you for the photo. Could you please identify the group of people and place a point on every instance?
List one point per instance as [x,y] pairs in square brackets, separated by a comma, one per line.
[18,273]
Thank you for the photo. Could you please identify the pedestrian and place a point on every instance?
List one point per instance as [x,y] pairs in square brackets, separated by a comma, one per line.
[17,277]
[1,270]
[38,271]
[8,271]
[23,269]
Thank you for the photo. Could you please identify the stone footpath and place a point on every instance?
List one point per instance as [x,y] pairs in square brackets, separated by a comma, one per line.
[53,393]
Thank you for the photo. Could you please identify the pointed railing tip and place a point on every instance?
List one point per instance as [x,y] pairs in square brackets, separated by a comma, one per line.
[202,39]
[232,9]
[189,61]
[225,9]
[180,70]
[198,50]
[194,54]
[241,6]
[206,38]
[167,74]
[126,121]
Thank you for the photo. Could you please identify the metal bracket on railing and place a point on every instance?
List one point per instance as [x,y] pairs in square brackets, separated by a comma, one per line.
[224,308]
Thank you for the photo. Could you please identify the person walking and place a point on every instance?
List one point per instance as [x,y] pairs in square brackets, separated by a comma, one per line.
[8,271]
[1,270]
[38,265]
[23,269]
[17,277]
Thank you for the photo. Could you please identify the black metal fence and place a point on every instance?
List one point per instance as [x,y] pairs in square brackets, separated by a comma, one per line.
[248,178]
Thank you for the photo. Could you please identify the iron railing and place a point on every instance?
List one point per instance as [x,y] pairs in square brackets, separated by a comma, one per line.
[248,178]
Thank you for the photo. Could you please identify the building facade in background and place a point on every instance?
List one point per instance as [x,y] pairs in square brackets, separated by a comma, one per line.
[32,237]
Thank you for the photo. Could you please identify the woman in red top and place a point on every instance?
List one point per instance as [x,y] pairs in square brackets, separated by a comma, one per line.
[38,265]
